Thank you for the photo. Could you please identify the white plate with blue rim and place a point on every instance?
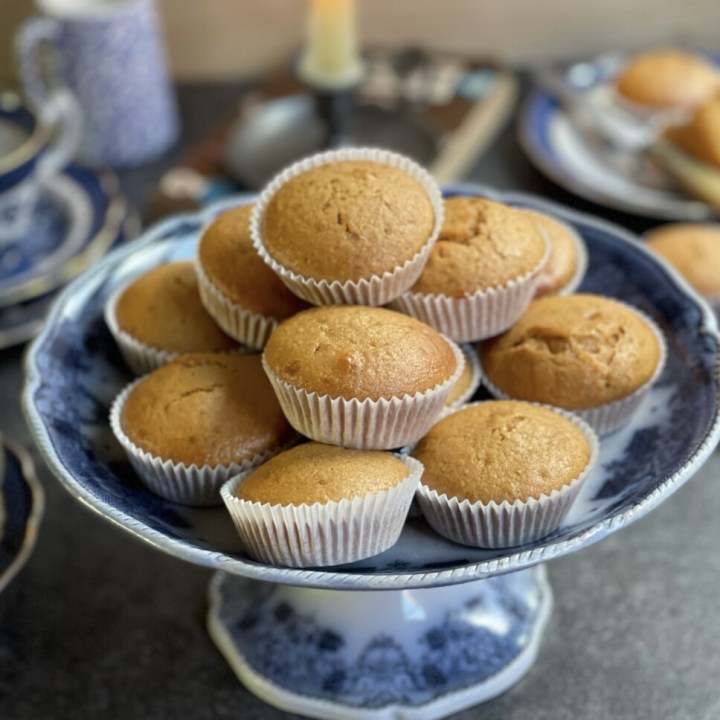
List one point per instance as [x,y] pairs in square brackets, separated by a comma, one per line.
[78,218]
[74,371]
[566,155]
[21,508]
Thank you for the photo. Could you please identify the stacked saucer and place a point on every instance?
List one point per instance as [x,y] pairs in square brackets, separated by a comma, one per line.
[80,215]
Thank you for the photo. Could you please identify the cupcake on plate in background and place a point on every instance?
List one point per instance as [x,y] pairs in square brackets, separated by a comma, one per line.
[193,423]
[693,249]
[481,273]
[348,226]
[699,136]
[667,78]
[502,473]
[589,354]
[567,263]
[317,505]
[159,315]
[360,376]
[244,296]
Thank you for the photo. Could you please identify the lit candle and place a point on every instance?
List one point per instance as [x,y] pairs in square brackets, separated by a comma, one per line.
[331,59]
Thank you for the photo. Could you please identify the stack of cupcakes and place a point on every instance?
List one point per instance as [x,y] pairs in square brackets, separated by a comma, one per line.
[301,275]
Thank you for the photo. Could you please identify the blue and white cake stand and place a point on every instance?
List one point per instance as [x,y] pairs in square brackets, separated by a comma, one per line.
[428,627]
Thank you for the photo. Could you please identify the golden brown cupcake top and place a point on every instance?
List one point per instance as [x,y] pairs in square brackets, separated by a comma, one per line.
[354,351]
[573,351]
[206,409]
[232,264]
[162,308]
[693,249]
[467,377]
[667,77]
[482,244]
[314,472]
[700,136]
[502,450]
[347,220]
[562,263]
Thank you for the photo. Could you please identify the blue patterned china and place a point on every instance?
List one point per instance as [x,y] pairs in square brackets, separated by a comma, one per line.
[74,371]
[111,64]
[22,320]
[21,508]
[585,165]
[28,158]
[78,217]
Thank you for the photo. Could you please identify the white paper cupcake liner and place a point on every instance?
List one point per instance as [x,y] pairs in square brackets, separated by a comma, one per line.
[140,357]
[608,417]
[471,358]
[245,326]
[478,316]
[382,424]
[500,525]
[376,289]
[321,534]
[180,483]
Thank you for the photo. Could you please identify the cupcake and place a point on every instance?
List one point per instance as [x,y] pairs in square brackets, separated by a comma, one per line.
[567,263]
[469,380]
[502,473]
[481,273]
[159,315]
[196,421]
[244,296]
[319,504]
[585,353]
[359,376]
[700,135]
[693,249]
[667,78]
[348,226]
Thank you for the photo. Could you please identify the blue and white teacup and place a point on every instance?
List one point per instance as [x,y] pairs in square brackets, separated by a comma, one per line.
[31,152]
[109,55]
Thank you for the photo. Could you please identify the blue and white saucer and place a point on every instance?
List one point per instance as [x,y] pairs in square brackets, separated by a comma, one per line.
[560,150]
[80,216]
[21,508]
[74,371]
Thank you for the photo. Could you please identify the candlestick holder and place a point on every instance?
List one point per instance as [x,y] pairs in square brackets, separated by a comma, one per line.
[310,119]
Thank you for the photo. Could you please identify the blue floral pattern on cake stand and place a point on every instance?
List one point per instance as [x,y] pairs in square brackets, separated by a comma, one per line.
[453,628]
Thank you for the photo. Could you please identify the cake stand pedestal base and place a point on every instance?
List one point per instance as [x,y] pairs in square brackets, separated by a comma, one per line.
[401,654]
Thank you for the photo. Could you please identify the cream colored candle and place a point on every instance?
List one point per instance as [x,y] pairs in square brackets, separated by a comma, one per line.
[331,59]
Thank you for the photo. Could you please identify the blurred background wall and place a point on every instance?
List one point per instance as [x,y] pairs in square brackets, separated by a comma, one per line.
[227,39]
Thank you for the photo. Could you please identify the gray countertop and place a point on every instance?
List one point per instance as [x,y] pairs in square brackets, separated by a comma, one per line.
[99,625]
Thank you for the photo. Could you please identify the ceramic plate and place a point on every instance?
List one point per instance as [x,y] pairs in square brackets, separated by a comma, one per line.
[78,217]
[21,508]
[74,371]
[560,150]
[21,321]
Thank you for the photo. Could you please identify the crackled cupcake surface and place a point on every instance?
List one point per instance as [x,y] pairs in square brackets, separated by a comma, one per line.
[232,264]
[502,451]
[206,409]
[347,220]
[482,244]
[162,308]
[359,352]
[314,472]
[576,352]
